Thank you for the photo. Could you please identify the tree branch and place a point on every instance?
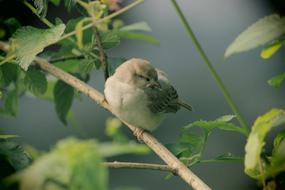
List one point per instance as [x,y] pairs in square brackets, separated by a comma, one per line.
[174,163]
[65,58]
[134,165]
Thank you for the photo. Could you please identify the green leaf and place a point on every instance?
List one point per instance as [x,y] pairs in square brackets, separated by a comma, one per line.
[8,136]
[271,49]
[109,40]
[72,164]
[138,26]
[28,41]
[71,65]
[115,149]
[112,130]
[276,81]
[255,141]
[278,139]
[189,147]
[277,161]
[55,2]
[48,95]
[139,36]
[220,123]
[226,157]
[11,103]
[263,31]
[79,32]
[9,73]
[36,81]
[63,98]
[13,24]
[41,6]
[69,4]
[15,154]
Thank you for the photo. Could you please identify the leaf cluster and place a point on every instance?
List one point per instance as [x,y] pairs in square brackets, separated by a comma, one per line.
[80,52]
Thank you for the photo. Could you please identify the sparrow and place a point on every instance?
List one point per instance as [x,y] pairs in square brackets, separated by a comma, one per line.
[141,95]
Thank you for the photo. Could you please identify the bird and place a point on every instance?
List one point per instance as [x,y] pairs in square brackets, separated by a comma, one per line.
[141,95]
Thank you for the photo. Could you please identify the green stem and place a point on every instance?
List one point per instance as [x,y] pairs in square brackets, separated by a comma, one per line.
[49,24]
[7,59]
[44,20]
[128,7]
[216,76]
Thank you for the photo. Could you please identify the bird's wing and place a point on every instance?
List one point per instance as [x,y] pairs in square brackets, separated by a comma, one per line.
[163,99]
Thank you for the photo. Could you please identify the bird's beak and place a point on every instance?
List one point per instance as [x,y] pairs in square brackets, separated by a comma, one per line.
[153,85]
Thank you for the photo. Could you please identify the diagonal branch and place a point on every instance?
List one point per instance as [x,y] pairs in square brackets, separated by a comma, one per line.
[174,163]
[134,165]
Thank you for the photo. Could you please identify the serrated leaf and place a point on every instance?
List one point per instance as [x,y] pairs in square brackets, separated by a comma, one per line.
[271,49]
[276,81]
[138,26]
[255,141]
[109,40]
[263,31]
[36,81]
[29,41]
[139,36]
[72,164]
[63,98]
[220,123]
[189,147]
[15,154]
[41,6]
[87,65]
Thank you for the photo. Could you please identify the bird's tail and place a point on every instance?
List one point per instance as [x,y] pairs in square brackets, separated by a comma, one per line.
[185,105]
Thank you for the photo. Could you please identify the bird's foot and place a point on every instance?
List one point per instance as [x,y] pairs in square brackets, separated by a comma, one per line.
[104,100]
[138,133]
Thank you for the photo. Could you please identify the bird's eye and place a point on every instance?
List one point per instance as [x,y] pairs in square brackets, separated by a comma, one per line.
[143,77]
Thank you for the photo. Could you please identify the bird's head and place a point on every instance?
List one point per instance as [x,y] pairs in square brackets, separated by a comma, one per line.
[138,72]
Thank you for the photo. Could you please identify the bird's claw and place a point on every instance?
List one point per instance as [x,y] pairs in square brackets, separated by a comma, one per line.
[138,132]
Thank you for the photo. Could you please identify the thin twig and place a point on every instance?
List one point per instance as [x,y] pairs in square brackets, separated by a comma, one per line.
[126,8]
[134,165]
[174,163]
[216,76]
[103,57]
[66,58]
[44,20]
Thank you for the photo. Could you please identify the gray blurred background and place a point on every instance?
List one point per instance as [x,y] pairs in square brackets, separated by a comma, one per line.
[216,24]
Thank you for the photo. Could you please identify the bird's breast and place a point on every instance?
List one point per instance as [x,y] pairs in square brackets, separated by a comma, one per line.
[131,104]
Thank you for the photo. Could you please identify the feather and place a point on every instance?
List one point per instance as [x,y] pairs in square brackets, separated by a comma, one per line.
[185,105]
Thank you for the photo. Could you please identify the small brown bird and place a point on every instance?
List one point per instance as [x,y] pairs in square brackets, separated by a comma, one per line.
[141,95]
